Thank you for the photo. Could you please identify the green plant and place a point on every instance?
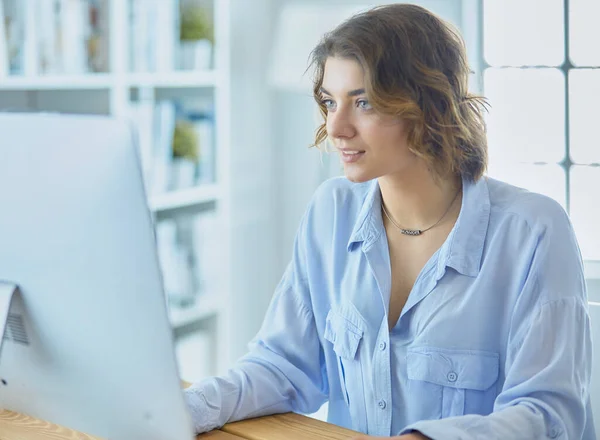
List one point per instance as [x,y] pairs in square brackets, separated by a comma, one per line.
[195,24]
[185,141]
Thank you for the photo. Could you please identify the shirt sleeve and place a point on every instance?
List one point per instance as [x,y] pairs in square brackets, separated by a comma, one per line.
[548,362]
[284,369]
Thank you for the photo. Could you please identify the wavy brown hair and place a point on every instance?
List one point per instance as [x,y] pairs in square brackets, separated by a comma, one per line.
[416,68]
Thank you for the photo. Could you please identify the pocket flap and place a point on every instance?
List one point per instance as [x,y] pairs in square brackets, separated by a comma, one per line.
[475,370]
[343,334]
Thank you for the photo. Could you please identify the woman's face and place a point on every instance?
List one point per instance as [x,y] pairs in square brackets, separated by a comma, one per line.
[370,145]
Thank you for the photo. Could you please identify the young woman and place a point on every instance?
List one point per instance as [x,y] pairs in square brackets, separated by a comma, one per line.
[423,299]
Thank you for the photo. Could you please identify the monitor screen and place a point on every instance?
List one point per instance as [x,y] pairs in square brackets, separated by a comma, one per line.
[88,344]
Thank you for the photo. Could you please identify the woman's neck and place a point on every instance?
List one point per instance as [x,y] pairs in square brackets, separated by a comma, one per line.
[417,200]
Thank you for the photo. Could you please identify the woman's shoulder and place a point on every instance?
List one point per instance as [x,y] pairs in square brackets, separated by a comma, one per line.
[338,194]
[335,207]
[535,209]
[538,233]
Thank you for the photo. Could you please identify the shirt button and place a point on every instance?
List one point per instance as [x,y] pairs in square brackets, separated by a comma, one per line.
[382,345]
[452,376]
[382,404]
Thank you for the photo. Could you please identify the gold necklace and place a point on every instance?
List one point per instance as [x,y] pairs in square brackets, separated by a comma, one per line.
[413,232]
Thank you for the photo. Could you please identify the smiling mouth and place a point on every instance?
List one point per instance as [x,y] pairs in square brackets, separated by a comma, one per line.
[351,156]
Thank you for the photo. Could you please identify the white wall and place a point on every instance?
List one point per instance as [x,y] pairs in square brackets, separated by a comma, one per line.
[251,165]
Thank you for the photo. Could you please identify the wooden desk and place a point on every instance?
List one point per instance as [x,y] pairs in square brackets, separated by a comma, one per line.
[14,426]
[290,426]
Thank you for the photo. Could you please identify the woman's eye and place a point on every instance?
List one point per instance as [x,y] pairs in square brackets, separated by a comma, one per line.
[328,103]
[363,104]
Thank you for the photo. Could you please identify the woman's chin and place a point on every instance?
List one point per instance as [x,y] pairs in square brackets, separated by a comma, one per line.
[356,175]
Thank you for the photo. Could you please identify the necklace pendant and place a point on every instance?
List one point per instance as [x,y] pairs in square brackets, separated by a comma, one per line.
[410,231]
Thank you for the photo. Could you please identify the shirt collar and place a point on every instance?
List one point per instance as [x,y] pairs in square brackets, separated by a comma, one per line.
[368,224]
[462,250]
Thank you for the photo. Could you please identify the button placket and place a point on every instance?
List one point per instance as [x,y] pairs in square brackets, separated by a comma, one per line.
[452,376]
[382,383]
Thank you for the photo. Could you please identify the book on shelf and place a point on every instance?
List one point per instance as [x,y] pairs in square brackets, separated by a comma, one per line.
[167,25]
[98,41]
[167,35]
[142,36]
[161,127]
[162,157]
[13,35]
[4,68]
[55,36]
[153,25]
[73,36]
[199,114]
[175,265]
[207,248]
[189,249]
[30,37]
[48,31]
[203,123]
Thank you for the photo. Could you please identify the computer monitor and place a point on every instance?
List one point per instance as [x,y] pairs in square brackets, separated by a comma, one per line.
[88,343]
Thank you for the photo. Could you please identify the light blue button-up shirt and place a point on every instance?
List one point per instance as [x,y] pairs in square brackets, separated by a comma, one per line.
[493,342]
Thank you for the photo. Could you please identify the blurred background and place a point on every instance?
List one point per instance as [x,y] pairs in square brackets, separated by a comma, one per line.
[218,92]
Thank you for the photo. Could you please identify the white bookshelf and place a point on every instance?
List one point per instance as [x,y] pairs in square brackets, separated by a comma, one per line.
[206,306]
[114,93]
[184,200]
[199,79]
[58,82]
[173,80]
[244,196]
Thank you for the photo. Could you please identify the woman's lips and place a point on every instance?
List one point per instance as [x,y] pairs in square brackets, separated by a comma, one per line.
[351,156]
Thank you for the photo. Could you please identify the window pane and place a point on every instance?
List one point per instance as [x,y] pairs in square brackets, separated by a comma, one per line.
[584,92]
[523,32]
[526,122]
[585,209]
[544,179]
[584,32]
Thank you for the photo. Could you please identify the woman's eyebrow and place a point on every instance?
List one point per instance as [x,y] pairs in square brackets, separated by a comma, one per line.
[351,93]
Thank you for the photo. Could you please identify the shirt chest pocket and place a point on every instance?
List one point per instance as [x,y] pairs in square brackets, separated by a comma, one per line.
[345,336]
[456,382]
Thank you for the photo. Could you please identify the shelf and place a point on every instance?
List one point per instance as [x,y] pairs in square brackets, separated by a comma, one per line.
[58,82]
[175,79]
[198,198]
[206,306]
[187,79]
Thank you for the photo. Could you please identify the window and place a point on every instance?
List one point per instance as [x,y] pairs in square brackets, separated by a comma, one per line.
[541,73]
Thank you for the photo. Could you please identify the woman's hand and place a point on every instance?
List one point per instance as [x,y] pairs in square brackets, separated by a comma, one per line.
[411,436]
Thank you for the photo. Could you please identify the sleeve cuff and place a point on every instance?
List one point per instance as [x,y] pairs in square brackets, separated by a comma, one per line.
[435,430]
[204,417]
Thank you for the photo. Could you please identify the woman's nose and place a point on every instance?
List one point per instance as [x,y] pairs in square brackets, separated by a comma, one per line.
[340,124]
